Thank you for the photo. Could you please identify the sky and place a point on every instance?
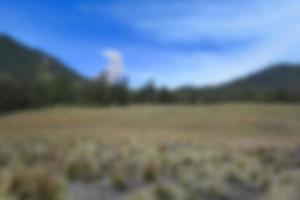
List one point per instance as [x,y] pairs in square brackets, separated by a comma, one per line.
[173,42]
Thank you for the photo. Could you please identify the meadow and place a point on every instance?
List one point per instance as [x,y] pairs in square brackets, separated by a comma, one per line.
[209,152]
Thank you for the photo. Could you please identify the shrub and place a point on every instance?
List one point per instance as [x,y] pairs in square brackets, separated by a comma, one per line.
[168,191]
[36,184]
[5,156]
[164,193]
[82,168]
[150,172]
[119,180]
[233,175]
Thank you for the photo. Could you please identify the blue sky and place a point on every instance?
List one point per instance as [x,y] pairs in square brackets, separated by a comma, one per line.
[172,42]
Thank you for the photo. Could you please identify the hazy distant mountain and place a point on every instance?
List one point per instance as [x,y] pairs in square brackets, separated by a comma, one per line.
[26,63]
[276,83]
[277,77]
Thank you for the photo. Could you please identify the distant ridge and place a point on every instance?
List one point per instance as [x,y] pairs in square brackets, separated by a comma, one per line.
[281,76]
[279,82]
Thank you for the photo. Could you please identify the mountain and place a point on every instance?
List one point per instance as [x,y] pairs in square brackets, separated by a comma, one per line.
[22,62]
[277,77]
[275,83]
[31,78]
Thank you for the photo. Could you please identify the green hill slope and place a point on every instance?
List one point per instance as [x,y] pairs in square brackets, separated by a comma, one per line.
[30,78]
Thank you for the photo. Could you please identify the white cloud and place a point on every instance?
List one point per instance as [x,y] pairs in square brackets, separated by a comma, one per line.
[114,69]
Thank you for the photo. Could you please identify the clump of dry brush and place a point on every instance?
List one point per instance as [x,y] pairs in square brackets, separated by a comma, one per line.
[36,184]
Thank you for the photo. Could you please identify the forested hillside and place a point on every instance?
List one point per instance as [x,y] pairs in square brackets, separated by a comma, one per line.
[30,78]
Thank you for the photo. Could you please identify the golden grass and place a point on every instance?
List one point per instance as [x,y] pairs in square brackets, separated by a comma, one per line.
[230,124]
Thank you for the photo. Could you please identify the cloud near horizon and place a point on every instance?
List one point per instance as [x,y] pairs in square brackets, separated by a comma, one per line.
[114,68]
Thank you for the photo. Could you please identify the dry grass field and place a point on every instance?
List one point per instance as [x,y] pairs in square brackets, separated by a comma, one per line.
[212,152]
[269,124]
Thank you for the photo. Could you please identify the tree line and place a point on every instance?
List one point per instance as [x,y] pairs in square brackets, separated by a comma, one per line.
[44,91]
